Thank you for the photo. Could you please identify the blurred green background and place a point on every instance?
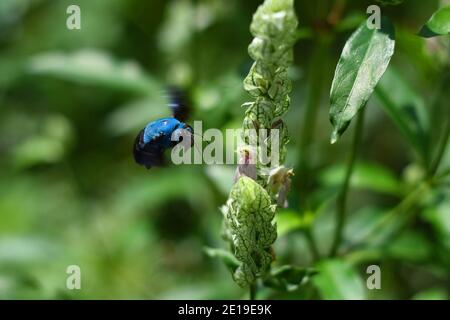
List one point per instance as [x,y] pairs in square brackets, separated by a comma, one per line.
[72,101]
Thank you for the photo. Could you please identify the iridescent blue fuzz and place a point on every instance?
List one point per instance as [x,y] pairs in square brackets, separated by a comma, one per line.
[162,130]
[162,134]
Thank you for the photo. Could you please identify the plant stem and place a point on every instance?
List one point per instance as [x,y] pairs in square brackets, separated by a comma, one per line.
[441,150]
[406,206]
[315,90]
[253,291]
[312,244]
[342,198]
[403,210]
[316,86]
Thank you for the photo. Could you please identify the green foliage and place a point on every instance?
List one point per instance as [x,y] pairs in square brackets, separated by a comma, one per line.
[363,61]
[365,176]
[288,278]
[288,220]
[228,258]
[72,102]
[405,108]
[95,68]
[337,280]
[438,25]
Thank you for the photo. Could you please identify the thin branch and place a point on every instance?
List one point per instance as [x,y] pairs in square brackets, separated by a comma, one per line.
[441,150]
[253,291]
[342,198]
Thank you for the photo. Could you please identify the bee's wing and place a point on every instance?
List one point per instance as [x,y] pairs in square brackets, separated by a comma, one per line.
[149,154]
[179,104]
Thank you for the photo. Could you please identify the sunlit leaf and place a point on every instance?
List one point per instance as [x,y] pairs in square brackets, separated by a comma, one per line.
[439,24]
[289,220]
[409,246]
[47,146]
[363,61]
[438,215]
[133,116]
[338,280]
[362,223]
[221,176]
[26,249]
[92,67]
[365,176]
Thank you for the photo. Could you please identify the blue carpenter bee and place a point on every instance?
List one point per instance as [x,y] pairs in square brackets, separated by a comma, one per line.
[163,134]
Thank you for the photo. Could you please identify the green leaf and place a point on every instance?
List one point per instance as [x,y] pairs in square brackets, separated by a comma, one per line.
[432,294]
[92,67]
[438,25]
[20,250]
[437,214]
[288,278]
[134,115]
[410,246]
[365,176]
[338,280]
[362,223]
[289,220]
[222,176]
[363,61]
[350,22]
[405,108]
[47,146]
[227,258]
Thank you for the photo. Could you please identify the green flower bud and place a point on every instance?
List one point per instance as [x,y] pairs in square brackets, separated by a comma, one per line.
[248,219]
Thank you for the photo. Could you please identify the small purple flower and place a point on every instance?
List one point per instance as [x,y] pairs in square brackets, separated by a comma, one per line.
[246,163]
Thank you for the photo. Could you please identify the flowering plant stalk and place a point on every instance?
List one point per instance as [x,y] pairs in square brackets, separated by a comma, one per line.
[262,185]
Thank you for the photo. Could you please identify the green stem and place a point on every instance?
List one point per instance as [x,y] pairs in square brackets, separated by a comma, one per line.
[315,90]
[312,244]
[302,180]
[403,210]
[441,150]
[253,291]
[342,198]
[386,100]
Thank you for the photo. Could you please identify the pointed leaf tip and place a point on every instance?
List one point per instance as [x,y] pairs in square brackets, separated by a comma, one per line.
[363,61]
[334,137]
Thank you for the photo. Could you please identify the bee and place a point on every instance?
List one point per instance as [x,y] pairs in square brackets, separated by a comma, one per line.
[162,134]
